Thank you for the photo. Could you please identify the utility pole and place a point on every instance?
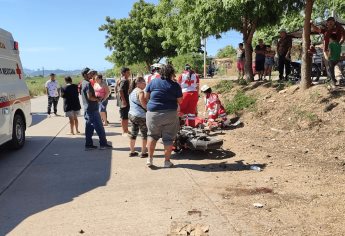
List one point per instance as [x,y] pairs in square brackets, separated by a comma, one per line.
[203,43]
[43,70]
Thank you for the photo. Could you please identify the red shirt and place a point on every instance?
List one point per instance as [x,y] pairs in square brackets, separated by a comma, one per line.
[338,30]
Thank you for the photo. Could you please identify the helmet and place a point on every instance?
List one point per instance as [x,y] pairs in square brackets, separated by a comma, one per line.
[156,67]
[204,88]
[187,67]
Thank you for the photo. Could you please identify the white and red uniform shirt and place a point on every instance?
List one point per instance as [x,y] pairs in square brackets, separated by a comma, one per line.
[150,77]
[214,107]
[189,82]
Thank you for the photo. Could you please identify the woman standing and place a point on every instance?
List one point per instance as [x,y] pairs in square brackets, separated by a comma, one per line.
[71,104]
[163,96]
[137,115]
[102,91]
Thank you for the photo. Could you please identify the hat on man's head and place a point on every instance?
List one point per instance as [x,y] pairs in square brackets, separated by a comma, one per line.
[330,18]
[52,74]
[92,72]
[85,70]
[187,67]
[204,88]
[282,30]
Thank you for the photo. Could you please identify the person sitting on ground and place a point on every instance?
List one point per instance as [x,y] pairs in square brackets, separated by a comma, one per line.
[137,116]
[102,92]
[189,82]
[269,61]
[163,96]
[333,56]
[213,106]
[71,104]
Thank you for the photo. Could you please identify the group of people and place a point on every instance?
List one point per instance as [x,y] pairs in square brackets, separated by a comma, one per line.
[333,36]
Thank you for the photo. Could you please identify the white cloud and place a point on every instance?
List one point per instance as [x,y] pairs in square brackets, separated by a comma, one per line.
[42,49]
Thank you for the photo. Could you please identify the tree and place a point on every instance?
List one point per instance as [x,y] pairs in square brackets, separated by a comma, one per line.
[195,60]
[135,39]
[185,26]
[306,59]
[227,51]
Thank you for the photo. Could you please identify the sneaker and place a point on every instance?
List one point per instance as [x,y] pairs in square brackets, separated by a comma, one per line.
[106,146]
[133,154]
[149,161]
[90,147]
[144,155]
[168,164]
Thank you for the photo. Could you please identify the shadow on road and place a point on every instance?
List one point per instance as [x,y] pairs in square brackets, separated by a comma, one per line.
[220,167]
[201,155]
[62,172]
[38,117]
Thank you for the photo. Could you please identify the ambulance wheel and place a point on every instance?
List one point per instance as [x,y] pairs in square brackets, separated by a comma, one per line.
[18,132]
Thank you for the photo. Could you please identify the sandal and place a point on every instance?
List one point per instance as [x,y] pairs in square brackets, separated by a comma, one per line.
[144,155]
[133,154]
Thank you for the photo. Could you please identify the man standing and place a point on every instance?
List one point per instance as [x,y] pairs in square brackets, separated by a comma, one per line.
[123,89]
[53,93]
[284,48]
[260,58]
[332,28]
[92,117]
[189,83]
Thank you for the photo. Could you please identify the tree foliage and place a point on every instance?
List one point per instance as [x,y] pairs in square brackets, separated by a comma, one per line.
[227,51]
[195,60]
[135,39]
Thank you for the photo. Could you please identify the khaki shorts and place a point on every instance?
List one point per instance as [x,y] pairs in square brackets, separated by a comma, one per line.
[72,113]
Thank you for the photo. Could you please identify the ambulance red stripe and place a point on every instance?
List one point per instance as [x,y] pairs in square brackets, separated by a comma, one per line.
[14,101]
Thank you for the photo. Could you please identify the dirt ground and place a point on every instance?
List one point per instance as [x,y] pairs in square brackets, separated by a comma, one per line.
[297,138]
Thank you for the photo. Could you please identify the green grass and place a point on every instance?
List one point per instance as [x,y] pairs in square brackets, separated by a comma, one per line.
[36,84]
[305,115]
[224,86]
[240,102]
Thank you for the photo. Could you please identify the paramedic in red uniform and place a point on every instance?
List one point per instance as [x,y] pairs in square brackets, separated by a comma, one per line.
[189,82]
[155,68]
[213,106]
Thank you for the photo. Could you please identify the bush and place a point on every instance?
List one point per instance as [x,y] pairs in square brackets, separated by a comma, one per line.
[224,86]
[240,102]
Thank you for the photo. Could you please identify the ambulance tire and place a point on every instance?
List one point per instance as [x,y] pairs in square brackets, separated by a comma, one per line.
[18,132]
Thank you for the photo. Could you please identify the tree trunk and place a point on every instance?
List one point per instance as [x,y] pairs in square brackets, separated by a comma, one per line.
[306,58]
[248,67]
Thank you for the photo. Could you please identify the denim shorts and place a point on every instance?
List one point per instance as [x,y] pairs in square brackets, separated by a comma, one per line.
[162,124]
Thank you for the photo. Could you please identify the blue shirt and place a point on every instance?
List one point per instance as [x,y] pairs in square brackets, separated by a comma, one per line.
[89,106]
[163,94]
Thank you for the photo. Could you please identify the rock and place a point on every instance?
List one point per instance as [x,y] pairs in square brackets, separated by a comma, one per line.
[289,165]
[81,231]
[282,91]
[267,96]
[258,205]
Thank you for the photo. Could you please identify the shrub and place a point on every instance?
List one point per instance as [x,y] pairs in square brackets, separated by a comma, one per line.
[240,102]
[224,86]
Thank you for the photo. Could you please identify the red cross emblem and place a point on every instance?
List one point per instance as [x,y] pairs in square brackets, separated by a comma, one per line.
[189,82]
[19,71]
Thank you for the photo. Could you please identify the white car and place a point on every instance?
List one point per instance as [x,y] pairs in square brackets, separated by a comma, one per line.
[15,105]
[111,82]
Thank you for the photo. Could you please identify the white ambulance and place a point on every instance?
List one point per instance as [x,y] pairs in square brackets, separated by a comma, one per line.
[15,106]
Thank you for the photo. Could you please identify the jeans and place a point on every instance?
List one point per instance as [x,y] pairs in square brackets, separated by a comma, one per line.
[52,101]
[283,62]
[93,122]
[330,70]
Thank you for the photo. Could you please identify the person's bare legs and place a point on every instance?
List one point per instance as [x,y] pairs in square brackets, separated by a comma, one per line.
[151,144]
[76,124]
[71,123]
[144,146]
[167,152]
[132,145]
[124,125]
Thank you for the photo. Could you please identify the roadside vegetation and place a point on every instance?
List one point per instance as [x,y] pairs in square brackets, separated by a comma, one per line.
[36,84]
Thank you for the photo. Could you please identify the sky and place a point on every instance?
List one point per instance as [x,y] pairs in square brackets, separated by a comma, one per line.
[62,34]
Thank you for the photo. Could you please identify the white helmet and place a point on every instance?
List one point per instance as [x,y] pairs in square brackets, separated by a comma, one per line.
[204,88]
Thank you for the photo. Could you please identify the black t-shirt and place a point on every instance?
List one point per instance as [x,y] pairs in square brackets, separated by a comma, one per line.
[260,56]
[70,98]
[124,86]
[89,106]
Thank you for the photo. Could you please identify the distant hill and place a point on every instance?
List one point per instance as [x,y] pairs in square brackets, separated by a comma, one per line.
[38,72]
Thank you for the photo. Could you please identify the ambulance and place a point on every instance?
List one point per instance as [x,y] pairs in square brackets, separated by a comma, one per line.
[15,106]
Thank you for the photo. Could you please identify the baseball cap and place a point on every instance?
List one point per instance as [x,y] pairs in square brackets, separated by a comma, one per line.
[52,74]
[92,71]
[85,70]
[187,67]
[157,65]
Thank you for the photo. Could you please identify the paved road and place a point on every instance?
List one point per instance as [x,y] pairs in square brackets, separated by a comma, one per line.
[53,187]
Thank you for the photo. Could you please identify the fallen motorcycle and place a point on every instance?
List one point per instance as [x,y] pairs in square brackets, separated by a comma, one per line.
[195,139]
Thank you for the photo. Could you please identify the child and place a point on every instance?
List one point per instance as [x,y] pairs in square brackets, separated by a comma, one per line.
[269,61]
[333,57]
[240,61]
